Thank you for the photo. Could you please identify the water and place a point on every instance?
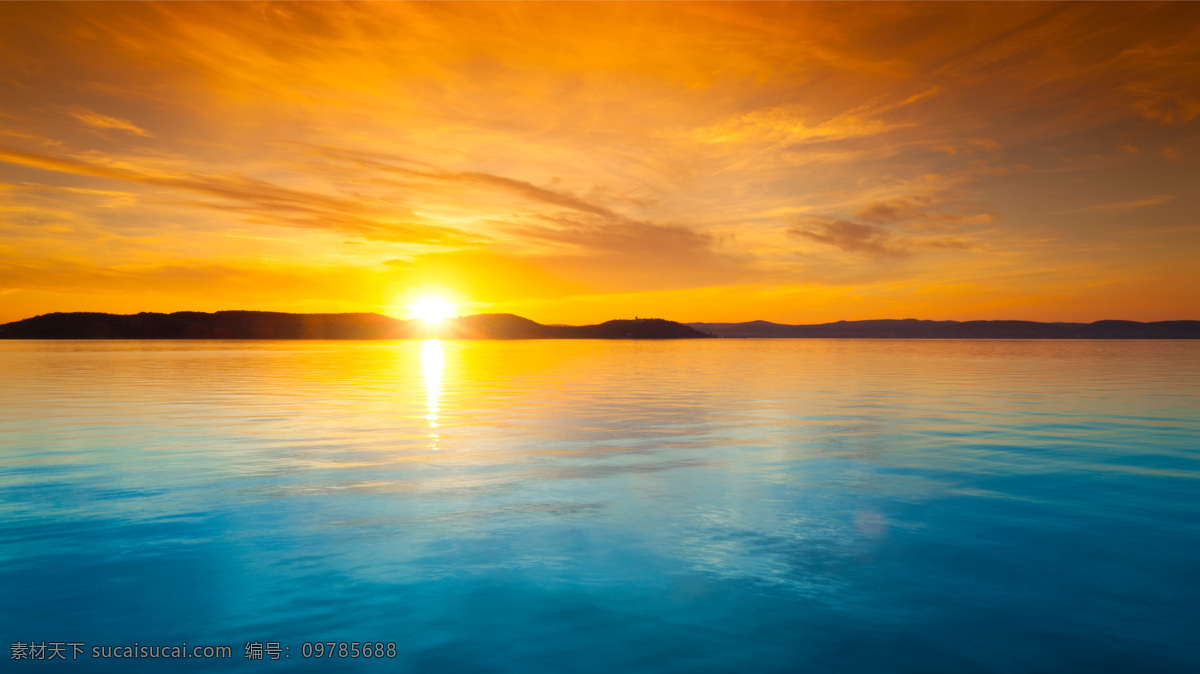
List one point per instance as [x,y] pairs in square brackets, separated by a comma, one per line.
[590,506]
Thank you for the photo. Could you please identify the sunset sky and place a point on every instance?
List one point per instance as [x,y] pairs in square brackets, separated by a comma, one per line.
[573,163]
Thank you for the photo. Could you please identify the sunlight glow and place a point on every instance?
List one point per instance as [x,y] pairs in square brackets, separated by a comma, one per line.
[432,310]
[432,362]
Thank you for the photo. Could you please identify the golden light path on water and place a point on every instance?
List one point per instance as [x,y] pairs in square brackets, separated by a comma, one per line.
[433,358]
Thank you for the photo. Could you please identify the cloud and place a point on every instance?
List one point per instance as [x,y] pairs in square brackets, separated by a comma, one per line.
[918,213]
[852,237]
[788,124]
[872,239]
[534,193]
[575,221]
[274,204]
[1167,107]
[100,121]
[947,243]
[628,236]
[520,188]
[1144,202]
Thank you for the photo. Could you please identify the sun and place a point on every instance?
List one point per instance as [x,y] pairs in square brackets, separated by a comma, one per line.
[432,309]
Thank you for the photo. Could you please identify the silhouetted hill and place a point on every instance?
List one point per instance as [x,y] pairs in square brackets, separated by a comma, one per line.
[508,326]
[491,326]
[199,325]
[916,329]
[274,325]
[644,328]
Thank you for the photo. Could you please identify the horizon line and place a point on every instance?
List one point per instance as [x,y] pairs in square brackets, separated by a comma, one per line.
[636,317]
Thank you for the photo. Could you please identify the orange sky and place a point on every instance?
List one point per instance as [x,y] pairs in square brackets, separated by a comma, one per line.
[578,162]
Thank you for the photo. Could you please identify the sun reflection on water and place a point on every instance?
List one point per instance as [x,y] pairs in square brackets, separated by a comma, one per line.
[433,358]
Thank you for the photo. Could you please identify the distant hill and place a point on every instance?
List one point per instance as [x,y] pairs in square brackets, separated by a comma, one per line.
[273,325]
[915,329]
[508,326]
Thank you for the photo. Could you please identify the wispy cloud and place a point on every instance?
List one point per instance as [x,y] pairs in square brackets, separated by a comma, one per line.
[280,205]
[99,121]
[629,236]
[571,220]
[920,212]
[788,124]
[873,239]
[1144,202]
[852,237]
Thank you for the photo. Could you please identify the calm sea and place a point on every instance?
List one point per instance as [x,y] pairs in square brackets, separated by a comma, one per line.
[605,506]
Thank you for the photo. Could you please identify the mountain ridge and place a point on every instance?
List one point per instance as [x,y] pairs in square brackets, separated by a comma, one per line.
[236,324]
[911,328]
[279,325]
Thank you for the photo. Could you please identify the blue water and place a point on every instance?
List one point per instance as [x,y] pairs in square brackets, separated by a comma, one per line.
[590,506]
